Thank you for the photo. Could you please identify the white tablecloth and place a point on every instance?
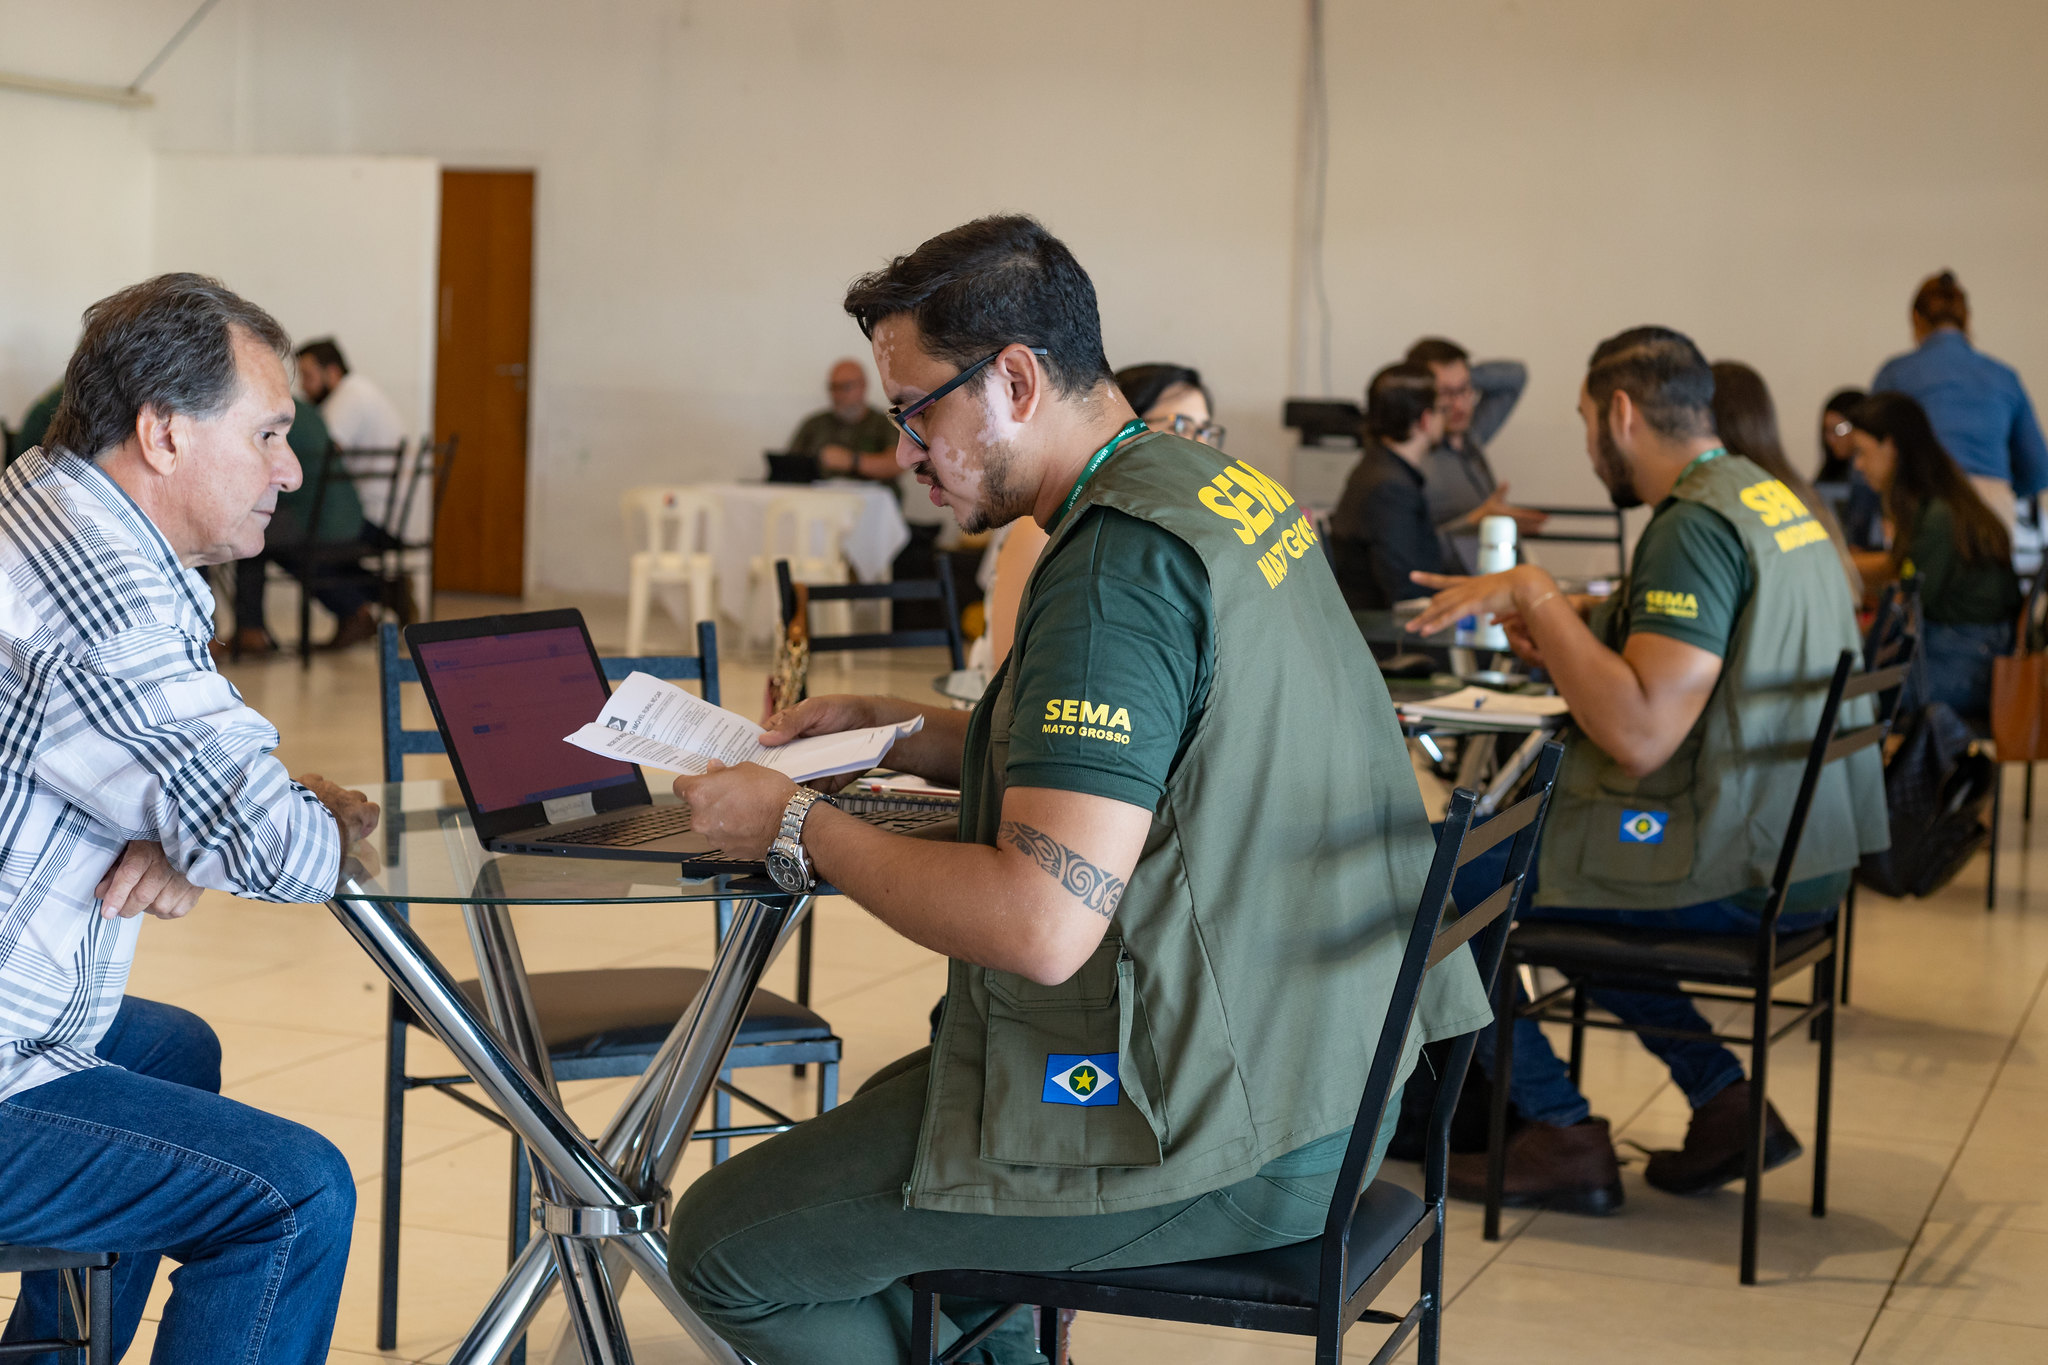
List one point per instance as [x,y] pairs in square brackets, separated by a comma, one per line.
[875,530]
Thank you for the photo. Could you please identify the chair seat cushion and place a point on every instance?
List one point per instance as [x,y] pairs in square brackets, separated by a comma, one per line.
[1587,947]
[1285,1276]
[631,1009]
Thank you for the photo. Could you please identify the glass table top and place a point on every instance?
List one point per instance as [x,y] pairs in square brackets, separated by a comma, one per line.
[425,851]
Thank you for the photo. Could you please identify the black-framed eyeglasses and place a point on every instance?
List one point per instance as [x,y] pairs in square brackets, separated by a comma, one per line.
[1181,424]
[901,416]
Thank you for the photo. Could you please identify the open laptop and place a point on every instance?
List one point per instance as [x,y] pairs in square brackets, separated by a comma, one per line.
[506,689]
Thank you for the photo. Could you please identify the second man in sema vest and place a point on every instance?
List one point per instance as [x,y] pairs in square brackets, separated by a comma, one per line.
[1190,844]
[1694,691]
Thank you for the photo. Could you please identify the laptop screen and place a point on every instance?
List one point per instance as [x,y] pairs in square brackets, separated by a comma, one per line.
[506,701]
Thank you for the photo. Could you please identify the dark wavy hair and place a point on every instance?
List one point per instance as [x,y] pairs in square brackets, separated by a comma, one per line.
[1663,374]
[988,284]
[1396,400]
[1927,473]
[1941,302]
[1144,385]
[167,344]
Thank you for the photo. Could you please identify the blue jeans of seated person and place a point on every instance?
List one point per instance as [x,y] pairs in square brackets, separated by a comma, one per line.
[1541,1086]
[145,1158]
[1954,667]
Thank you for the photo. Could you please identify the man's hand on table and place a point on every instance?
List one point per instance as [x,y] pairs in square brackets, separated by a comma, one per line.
[142,881]
[1509,597]
[353,811]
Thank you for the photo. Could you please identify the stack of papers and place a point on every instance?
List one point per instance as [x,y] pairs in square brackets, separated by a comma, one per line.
[659,724]
[1494,710]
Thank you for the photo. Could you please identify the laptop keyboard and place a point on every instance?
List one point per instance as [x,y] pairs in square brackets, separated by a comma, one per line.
[898,814]
[657,822]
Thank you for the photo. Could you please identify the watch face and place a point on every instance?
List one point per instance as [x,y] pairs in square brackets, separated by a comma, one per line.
[785,872]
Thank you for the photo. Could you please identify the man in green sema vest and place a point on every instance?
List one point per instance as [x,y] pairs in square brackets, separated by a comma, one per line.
[1190,844]
[1694,691]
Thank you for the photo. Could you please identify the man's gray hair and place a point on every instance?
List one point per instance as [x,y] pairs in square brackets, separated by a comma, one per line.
[167,344]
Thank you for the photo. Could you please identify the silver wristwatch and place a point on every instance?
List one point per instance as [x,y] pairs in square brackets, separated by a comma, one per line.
[788,864]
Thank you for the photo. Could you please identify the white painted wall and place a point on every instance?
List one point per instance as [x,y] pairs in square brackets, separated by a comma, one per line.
[1526,177]
[75,229]
[340,246]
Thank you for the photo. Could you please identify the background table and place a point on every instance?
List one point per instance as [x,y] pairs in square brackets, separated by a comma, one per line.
[875,529]
[603,1204]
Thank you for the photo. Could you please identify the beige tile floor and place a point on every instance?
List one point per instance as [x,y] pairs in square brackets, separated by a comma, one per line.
[1935,1247]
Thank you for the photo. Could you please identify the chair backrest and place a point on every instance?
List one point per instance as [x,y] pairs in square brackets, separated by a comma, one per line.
[372,465]
[395,668]
[1617,536]
[938,589]
[429,473]
[806,527]
[670,521]
[1430,941]
[1829,746]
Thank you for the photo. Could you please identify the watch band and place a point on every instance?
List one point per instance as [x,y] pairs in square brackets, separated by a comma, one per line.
[796,812]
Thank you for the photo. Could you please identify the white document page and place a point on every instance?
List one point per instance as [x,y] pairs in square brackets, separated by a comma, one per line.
[662,726]
[1492,708]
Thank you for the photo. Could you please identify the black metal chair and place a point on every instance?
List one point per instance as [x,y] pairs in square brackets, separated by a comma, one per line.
[1317,1288]
[319,563]
[88,1303]
[601,1023]
[936,589]
[426,476]
[1618,537]
[1747,969]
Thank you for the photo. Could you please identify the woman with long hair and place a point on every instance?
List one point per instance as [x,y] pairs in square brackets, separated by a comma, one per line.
[1945,541]
[1856,504]
[1746,420]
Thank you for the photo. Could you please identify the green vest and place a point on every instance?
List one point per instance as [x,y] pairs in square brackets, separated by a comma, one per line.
[1709,823]
[1243,984]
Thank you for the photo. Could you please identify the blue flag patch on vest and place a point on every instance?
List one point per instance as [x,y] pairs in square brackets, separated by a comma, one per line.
[1080,1078]
[1643,826]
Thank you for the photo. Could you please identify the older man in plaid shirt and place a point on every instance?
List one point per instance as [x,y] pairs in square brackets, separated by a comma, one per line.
[131,775]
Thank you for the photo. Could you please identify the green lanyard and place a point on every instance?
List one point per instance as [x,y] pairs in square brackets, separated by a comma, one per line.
[1134,427]
[1705,455]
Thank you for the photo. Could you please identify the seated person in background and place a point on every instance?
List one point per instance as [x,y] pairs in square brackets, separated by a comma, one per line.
[346,588]
[1746,420]
[1948,543]
[1476,401]
[141,776]
[358,417]
[1857,506]
[1381,532]
[1131,859]
[1171,398]
[1679,778]
[849,439]
[1977,407]
[36,421]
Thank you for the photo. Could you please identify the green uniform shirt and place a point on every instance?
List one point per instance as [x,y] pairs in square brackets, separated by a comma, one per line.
[1690,582]
[871,434]
[341,514]
[1953,590]
[37,422]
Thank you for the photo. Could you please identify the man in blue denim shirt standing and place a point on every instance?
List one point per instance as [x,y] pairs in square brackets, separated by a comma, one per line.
[1978,406]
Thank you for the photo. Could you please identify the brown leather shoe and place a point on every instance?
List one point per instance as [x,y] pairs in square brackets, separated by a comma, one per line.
[1715,1144]
[252,643]
[1571,1170]
[360,626]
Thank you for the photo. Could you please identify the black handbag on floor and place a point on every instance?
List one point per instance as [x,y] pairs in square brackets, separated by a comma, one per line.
[1936,792]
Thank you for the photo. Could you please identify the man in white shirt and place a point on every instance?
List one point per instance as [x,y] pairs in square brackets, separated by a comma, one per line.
[358,417]
[132,773]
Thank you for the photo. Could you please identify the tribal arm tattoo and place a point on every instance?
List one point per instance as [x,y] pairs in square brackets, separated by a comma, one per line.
[1085,881]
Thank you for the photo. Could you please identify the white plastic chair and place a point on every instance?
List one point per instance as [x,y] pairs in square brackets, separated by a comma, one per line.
[810,532]
[672,540]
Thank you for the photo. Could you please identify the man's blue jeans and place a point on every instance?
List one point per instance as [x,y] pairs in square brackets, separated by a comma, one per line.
[1541,1086]
[145,1158]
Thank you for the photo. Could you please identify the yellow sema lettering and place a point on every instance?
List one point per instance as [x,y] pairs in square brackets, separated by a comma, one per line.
[1661,602]
[1087,720]
[1807,532]
[1773,502]
[1294,543]
[1244,495]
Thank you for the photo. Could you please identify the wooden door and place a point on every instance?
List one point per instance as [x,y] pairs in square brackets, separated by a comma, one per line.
[480,374]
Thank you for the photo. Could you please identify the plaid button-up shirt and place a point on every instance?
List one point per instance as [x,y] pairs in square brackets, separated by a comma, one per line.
[114,725]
